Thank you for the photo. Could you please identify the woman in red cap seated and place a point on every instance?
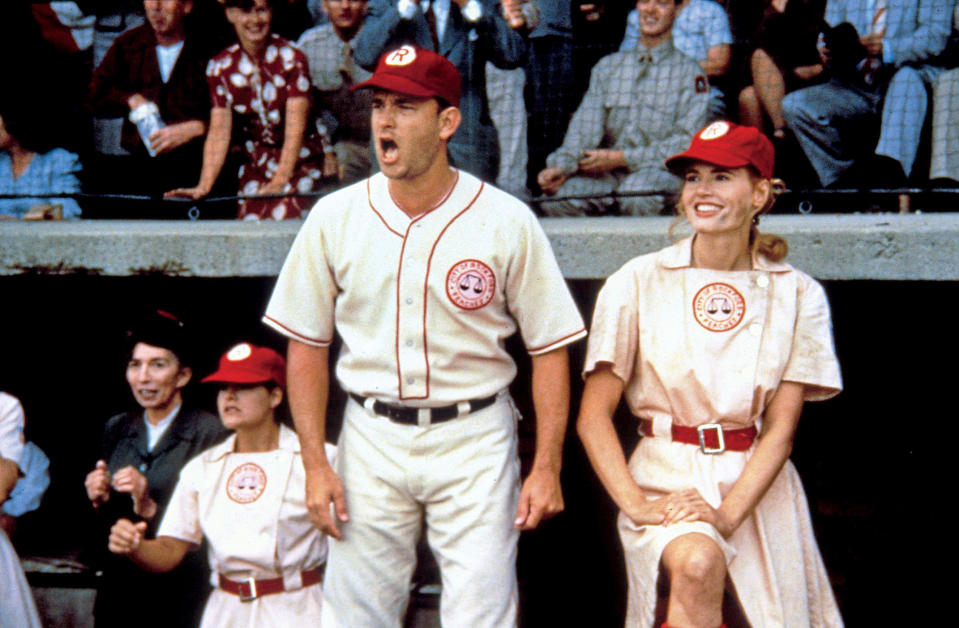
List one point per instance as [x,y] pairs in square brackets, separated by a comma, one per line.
[245,496]
[715,343]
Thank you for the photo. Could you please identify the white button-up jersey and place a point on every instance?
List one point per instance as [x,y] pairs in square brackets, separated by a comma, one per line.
[424,304]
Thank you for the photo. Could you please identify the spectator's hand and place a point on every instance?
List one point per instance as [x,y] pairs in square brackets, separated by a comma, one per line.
[550,179]
[126,536]
[129,480]
[591,12]
[873,44]
[98,484]
[135,101]
[808,72]
[331,167]
[540,498]
[601,161]
[824,55]
[175,135]
[324,489]
[275,186]
[195,193]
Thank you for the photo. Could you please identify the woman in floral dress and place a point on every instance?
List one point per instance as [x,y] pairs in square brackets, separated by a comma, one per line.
[262,84]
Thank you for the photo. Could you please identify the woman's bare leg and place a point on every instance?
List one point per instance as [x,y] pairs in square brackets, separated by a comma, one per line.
[750,109]
[696,568]
[770,87]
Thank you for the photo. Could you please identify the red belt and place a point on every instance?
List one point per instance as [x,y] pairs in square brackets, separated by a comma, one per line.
[251,589]
[710,437]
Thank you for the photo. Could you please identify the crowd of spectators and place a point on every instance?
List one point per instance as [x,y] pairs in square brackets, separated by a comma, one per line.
[572,104]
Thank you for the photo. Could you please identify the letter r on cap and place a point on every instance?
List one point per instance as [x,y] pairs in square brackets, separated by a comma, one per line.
[401,56]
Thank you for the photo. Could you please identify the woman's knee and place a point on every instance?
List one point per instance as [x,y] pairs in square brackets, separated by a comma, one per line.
[698,561]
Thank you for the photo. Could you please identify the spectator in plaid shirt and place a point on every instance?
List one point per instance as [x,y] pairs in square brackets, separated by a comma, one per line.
[642,106]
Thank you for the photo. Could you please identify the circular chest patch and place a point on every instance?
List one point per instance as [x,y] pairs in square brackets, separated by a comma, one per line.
[246,483]
[719,307]
[470,284]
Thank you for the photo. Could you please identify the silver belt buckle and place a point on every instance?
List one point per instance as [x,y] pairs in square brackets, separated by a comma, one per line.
[701,430]
[251,582]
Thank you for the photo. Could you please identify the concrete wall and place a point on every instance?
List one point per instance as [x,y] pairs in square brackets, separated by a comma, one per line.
[831,247]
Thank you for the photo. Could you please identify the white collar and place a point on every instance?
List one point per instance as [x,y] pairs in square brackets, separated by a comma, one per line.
[680,255]
[288,441]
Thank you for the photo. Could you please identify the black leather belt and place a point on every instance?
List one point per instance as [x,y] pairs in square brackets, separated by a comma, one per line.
[410,416]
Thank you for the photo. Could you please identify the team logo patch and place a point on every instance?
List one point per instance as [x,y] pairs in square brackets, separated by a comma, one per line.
[404,55]
[246,483]
[470,284]
[719,307]
[714,130]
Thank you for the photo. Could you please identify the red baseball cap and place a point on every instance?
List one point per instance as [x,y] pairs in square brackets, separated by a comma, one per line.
[728,145]
[416,72]
[249,364]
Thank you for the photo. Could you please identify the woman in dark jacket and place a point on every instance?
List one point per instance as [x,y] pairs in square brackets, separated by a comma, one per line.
[141,456]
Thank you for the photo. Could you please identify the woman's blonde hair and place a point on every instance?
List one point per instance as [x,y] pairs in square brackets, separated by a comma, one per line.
[770,245]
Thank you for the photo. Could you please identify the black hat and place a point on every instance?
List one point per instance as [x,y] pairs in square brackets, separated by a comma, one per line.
[160,328]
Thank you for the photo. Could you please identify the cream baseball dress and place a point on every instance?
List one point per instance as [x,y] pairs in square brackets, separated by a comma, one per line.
[251,509]
[698,346]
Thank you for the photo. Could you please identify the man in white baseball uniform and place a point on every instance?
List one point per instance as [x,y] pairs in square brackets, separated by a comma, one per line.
[424,271]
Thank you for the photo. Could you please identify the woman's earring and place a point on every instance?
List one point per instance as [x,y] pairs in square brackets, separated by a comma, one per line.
[756,220]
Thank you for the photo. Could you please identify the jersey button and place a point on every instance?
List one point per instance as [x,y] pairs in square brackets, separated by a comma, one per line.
[409,343]
[762,281]
[409,300]
[410,380]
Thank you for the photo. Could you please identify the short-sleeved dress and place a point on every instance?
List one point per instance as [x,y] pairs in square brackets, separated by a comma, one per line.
[257,90]
[251,509]
[698,346]
[16,600]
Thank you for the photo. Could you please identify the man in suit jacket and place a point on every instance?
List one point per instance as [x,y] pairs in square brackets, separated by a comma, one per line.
[468,33]
[899,40]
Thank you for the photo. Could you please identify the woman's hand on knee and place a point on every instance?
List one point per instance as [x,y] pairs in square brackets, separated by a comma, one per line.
[648,512]
[689,505]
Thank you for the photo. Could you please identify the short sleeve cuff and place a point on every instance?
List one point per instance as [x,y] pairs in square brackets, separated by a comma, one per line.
[562,342]
[292,334]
